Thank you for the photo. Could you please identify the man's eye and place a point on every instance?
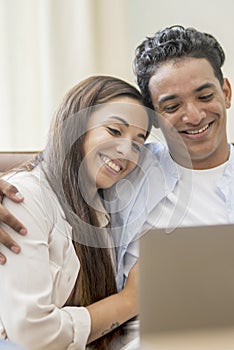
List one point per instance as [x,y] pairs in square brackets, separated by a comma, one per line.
[171,108]
[114,132]
[206,97]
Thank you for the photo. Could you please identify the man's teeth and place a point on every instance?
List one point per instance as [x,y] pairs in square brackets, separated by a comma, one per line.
[193,132]
[111,164]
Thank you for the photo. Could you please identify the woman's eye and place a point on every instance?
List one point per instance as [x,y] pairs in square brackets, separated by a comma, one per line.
[136,146]
[113,131]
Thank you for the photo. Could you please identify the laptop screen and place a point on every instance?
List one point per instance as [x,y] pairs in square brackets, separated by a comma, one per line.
[187,279]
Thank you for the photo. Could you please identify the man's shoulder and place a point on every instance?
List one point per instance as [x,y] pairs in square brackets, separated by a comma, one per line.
[153,151]
[154,154]
[231,147]
[157,148]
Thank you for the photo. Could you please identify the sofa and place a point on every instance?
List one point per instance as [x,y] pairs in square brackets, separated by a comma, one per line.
[9,160]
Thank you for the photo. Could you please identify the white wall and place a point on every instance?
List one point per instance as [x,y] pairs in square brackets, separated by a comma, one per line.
[46,46]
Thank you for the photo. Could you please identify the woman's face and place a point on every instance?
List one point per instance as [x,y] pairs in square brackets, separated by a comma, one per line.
[113,142]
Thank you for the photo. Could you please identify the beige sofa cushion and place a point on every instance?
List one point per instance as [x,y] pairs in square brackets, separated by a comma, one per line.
[9,160]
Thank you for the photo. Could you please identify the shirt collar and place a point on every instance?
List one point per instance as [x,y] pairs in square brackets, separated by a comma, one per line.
[102,215]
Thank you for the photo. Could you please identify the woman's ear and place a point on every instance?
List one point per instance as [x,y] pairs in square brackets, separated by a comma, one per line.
[227,90]
[155,120]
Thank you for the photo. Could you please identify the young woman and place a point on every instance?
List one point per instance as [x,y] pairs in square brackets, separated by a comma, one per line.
[60,292]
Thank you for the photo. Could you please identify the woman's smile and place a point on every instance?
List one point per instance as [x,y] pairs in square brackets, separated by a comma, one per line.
[111,164]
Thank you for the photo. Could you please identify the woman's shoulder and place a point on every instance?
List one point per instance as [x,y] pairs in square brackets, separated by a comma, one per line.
[29,181]
[40,202]
[37,193]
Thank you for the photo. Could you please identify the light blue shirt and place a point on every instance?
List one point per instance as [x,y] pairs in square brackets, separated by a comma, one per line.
[132,200]
[7,345]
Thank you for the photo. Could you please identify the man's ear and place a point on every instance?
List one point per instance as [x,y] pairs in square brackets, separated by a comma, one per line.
[227,89]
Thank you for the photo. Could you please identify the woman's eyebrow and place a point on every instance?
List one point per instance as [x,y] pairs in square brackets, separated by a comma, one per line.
[123,121]
[142,136]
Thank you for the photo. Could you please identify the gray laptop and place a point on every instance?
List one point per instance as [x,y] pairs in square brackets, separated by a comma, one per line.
[187,285]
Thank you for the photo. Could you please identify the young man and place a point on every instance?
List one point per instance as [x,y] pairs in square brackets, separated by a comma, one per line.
[179,74]
[192,181]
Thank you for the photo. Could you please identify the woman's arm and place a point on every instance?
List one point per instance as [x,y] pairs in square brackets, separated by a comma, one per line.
[27,294]
[111,312]
[35,287]
[11,192]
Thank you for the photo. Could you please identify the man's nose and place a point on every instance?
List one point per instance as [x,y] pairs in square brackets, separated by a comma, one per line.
[193,114]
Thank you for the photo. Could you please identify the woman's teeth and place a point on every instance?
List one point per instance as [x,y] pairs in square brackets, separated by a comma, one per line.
[194,132]
[111,164]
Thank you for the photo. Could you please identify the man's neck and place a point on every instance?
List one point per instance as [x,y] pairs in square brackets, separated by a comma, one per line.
[202,164]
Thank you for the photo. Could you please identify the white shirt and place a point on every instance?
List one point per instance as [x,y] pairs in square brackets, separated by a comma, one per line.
[196,200]
[138,203]
[36,283]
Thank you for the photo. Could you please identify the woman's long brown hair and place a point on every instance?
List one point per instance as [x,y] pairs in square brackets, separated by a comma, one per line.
[63,157]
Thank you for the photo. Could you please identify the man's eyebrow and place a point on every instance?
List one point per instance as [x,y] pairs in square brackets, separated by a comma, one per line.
[123,121]
[166,98]
[172,97]
[204,86]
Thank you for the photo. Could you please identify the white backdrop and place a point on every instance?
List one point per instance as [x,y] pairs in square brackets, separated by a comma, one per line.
[46,46]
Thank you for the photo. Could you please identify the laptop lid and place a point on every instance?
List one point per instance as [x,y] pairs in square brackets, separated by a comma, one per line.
[186,279]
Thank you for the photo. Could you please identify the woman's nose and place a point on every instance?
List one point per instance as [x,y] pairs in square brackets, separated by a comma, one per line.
[124,147]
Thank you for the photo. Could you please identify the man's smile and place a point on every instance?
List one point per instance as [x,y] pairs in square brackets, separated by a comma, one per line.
[201,130]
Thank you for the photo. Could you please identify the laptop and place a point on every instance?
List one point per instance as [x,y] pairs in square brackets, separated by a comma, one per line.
[186,293]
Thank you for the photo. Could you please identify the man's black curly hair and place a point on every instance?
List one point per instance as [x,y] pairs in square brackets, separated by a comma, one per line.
[172,43]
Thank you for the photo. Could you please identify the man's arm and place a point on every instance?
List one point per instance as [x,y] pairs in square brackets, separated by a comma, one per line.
[5,216]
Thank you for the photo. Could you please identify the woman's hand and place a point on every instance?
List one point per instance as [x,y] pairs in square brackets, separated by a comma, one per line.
[12,193]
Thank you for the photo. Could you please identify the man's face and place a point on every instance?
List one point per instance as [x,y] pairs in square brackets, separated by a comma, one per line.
[191,107]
